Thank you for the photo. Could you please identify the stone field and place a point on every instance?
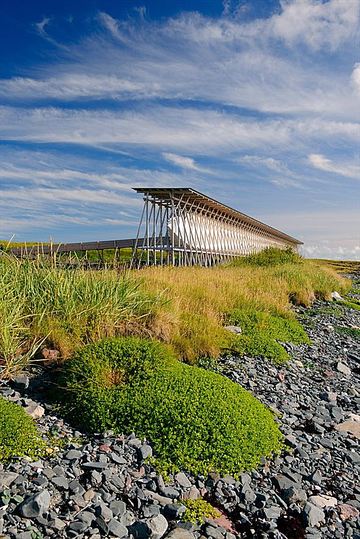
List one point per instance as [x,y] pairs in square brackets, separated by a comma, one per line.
[102,486]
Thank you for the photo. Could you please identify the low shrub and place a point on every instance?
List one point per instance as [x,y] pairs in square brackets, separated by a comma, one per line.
[263,332]
[196,420]
[18,433]
[198,510]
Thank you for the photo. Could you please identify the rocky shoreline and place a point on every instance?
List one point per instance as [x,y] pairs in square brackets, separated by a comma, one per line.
[99,486]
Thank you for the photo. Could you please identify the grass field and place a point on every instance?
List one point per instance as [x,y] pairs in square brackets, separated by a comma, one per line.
[340,266]
[41,303]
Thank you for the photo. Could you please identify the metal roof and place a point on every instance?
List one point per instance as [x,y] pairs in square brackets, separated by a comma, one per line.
[166,193]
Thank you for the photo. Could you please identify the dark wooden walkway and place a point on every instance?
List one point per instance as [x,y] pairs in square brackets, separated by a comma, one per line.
[55,248]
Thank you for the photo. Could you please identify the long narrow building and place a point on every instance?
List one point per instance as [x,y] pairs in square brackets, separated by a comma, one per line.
[181,226]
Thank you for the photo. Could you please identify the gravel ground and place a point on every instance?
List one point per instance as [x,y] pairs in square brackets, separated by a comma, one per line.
[100,486]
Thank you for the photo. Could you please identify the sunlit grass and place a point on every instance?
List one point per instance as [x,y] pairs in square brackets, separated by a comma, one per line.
[201,300]
[185,307]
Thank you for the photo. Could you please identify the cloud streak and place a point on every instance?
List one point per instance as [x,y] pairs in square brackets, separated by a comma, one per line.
[185,129]
[224,60]
[323,163]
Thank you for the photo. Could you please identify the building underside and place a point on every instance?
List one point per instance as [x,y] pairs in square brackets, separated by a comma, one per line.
[180,226]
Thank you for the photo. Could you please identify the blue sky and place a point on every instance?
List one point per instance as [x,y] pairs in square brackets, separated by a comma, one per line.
[254,103]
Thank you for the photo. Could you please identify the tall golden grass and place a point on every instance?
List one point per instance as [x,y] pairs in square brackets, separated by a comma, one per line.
[41,303]
[197,300]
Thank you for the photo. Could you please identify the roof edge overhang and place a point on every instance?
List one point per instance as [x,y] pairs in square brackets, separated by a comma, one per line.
[211,202]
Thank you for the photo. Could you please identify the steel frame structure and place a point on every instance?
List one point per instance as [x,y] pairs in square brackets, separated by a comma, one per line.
[180,226]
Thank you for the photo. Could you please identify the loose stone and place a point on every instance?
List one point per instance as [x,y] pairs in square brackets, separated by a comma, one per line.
[35,505]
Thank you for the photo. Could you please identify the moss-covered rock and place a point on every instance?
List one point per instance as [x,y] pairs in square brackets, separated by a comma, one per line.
[196,420]
[18,433]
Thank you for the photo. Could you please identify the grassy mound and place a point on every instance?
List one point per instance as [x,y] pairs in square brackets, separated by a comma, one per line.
[196,420]
[263,332]
[18,434]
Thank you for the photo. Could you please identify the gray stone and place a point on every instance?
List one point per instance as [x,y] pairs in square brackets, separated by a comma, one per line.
[145,451]
[284,483]
[314,515]
[326,442]
[151,511]
[21,381]
[118,481]
[117,507]
[35,410]
[180,533]
[61,482]
[104,511]
[78,526]
[134,442]
[323,501]
[316,477]
[76,487]
[183,480]
[128,518]
[94,465]
[272,512]
[249,495]
[344,369]
[192,494]
[7,478]
[213,531]
[117,529]
[87,517]
[73,454]
[170,492]
[158,526]
[173,511]
[234,329]
[117,459]
[58,524]
[291,440]
[35,505]
[294,495]
[58,470]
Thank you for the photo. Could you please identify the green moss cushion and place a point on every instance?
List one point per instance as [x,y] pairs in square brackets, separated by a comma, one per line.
[18,433]
[196,420]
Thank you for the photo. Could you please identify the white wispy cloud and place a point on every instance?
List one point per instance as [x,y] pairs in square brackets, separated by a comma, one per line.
[323,163]
[269,162]
[41,25]
[317,24]
[280,174]
[187,163]
[41,30]
[172,128]
[355,77]
[223,60]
